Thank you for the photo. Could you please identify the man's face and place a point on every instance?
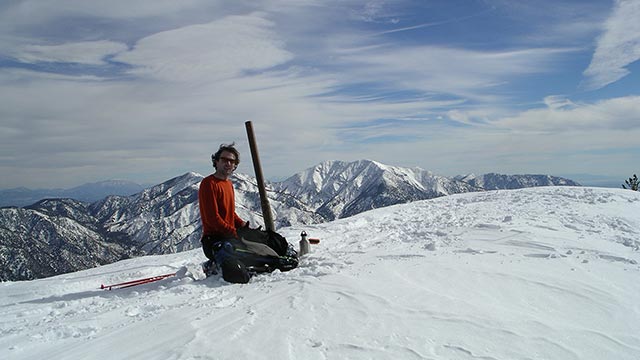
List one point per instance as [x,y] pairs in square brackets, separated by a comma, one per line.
[226,163]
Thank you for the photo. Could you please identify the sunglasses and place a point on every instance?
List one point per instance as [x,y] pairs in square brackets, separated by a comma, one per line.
[227,159]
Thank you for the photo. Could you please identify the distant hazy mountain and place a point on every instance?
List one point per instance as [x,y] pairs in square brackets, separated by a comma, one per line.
[493,181]
[62,235]
[88,192]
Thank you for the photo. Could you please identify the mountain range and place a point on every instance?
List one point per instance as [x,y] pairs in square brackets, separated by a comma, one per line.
[494,181]
[56,236]
[88,192]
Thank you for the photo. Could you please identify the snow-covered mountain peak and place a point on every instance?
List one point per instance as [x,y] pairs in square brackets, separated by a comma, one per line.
[338,189]
[172,186]
[467,177]
[331,176]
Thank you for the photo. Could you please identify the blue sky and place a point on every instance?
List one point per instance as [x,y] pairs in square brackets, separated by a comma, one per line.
[146,90]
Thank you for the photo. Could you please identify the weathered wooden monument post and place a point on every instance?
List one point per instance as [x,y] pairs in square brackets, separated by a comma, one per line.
[257,168]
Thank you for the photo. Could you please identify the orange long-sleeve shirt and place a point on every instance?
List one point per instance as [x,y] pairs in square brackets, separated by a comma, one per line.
[217,207]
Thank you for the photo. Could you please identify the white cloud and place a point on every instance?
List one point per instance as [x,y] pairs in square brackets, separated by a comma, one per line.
[217,50]
[617,47]
[87,52]
[562,138]
[618,113]
[558,102]
[460,72]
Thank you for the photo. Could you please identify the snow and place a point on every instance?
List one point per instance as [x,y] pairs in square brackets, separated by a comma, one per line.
[539,273]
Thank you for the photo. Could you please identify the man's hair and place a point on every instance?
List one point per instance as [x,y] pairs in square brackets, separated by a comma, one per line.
[225,147]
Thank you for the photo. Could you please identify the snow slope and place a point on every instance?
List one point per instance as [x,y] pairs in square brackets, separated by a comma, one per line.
[539,273]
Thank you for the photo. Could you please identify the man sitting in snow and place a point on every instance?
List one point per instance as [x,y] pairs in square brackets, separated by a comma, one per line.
[236,257]
[216,198]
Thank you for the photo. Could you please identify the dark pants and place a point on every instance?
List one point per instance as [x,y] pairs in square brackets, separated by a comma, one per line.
[255,250]
[211,243]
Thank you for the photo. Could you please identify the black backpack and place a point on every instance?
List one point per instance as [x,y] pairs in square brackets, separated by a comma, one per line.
[257,251]
[270,238]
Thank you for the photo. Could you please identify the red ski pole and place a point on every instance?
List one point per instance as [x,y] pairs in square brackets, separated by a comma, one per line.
[131,283]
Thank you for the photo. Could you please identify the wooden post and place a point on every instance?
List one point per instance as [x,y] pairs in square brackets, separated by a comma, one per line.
[264,201]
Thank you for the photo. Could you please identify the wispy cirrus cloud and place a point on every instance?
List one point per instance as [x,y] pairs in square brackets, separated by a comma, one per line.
[563,115]
[617,47]
[470,74]
[85,52]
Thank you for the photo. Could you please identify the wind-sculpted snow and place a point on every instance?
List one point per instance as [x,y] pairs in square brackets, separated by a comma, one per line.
[540,273]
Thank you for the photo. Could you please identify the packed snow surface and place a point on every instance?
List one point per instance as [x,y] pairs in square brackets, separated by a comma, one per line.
[540,273]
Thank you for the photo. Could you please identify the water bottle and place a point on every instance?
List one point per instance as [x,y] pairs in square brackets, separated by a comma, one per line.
[304,244]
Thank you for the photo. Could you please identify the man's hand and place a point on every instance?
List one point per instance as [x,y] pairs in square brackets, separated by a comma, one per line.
[246,224]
